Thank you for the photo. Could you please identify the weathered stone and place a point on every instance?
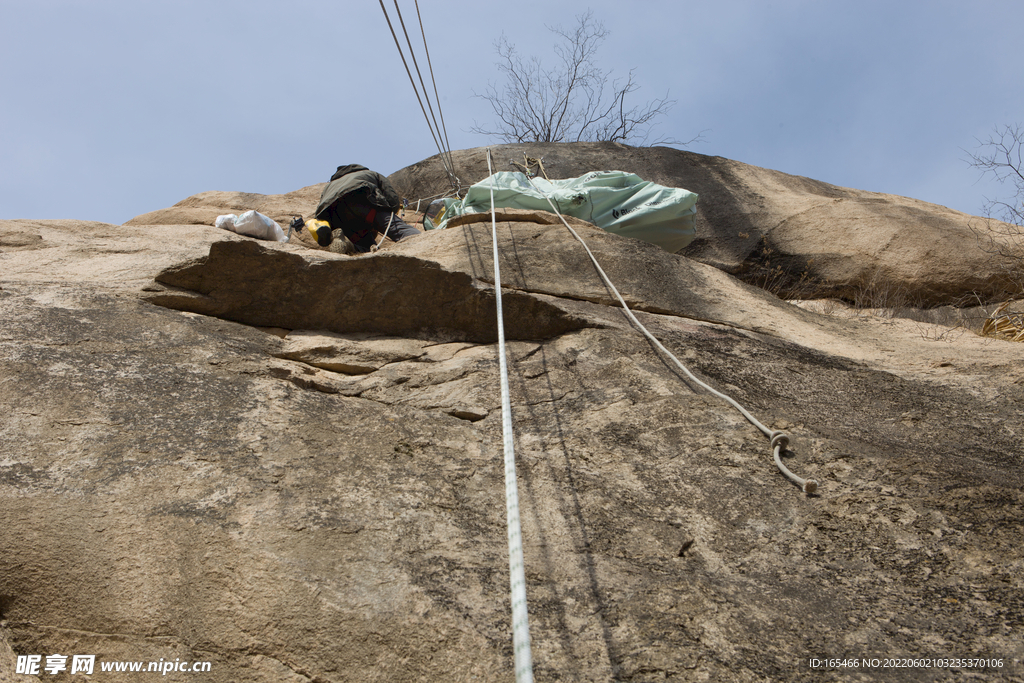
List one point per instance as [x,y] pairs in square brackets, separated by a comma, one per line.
[294,483]
[798,237]
[384,293]
[803,237]
[203,208]
[352,355]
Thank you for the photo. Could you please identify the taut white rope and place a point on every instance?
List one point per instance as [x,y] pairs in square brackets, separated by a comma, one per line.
[779,440]
[523,657]
[438,142]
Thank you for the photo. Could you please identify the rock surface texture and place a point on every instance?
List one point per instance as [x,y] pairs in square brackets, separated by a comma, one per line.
[801,237]
[288,463]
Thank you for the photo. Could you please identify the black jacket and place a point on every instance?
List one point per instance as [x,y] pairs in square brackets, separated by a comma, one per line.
[353,181]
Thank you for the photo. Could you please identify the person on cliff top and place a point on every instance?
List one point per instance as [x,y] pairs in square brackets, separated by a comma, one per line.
[360,203]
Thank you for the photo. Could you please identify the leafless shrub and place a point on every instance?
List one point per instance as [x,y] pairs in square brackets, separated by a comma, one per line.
[571,102]
[940,333]
[766,271]
[1001,157]
[888,298]
[1001,233]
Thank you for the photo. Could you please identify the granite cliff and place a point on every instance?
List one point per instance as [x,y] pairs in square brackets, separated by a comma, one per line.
[287,462]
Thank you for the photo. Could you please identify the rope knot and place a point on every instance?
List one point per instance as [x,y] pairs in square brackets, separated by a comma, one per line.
[780,440]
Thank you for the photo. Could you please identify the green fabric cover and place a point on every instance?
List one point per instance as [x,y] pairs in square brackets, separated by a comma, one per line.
[619,202]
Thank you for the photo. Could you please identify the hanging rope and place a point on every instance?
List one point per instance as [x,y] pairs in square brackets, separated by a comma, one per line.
[437,98]
[517,574]
[445,155]
[445,151]
[778,440]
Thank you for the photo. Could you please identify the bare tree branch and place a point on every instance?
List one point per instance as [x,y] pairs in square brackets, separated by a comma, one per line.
[1001,156]
[571,101]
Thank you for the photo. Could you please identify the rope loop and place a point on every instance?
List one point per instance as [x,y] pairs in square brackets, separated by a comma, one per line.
[780,440]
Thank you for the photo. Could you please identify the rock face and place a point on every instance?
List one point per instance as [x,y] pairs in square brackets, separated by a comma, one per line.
[797,237]
[203,208]
[801,237]
[287,463]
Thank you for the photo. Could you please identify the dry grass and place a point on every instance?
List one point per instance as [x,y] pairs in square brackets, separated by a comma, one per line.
[1005,324]
[877,295]
[873,294]
[778,279]
[883,297]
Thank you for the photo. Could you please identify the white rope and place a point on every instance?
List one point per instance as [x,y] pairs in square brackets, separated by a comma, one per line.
[779,440]
[523,657]
[376,245]
[440,149]
[419,74]
[437,98]
[432,197]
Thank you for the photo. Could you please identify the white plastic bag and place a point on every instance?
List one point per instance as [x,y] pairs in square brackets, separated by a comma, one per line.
[226,222]
[255,224]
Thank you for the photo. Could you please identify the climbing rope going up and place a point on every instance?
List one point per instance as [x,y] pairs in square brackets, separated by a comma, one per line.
[438,133]
[522,654]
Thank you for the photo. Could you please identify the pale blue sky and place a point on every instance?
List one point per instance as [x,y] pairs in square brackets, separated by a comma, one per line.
[113,108]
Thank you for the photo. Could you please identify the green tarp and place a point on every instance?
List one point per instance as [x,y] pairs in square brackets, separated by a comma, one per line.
[619,202]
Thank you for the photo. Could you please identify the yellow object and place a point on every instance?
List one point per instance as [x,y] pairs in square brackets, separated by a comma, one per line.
[312,225]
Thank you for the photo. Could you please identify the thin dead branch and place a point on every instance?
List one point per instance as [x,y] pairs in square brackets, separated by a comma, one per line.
[573,101]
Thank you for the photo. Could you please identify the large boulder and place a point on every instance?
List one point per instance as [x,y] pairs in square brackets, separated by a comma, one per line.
[798,237]
[203,208]
[286,463]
